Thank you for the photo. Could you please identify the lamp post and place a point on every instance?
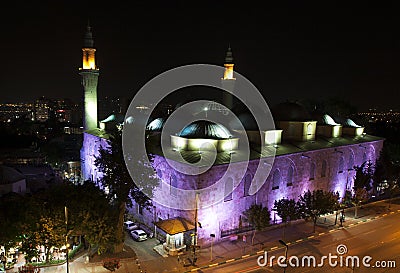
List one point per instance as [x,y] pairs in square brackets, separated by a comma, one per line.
[212,240]
[195,229]
[286,251]
[66,234]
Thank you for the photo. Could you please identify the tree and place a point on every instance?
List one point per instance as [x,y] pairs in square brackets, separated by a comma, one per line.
[362,184]
[364,175]
[314,204]
[287,210]
[121,185]
[13,207]
[360,196]
[257,216]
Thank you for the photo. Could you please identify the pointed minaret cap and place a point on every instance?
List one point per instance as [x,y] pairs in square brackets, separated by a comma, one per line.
[88,39]
[229,56]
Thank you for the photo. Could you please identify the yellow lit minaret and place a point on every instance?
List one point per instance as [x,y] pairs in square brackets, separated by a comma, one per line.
[90,75]
[228,81]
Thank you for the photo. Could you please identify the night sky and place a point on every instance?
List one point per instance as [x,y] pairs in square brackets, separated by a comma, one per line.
[294,50]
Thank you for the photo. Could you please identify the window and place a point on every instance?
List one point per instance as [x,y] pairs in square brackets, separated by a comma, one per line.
[309,129]
[323,169]
[174,185]
[247,183]
[351,161]
[140,209]
[289,179]
[159,173]
[312,171]
[276,179]
[341,164]
[228,189]
[364,159]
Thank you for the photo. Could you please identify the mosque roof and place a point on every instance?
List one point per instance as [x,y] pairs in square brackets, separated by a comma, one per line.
[256,152]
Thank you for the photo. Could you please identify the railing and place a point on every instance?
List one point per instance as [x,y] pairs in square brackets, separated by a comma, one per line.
[228,232]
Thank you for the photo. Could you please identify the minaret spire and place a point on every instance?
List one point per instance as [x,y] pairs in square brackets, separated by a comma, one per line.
[88,39]
[89,74]
[228,81]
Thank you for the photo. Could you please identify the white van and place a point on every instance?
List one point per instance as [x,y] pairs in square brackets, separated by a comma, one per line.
[129,225]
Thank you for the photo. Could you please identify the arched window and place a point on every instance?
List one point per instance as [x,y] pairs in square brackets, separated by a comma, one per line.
[351,161]
[247,183]
[228,189]
[276,179]
[159,173]
[323,168]
[341,164]
[289,179]
[309,129]
[312,171]
[174,185]
[364,159]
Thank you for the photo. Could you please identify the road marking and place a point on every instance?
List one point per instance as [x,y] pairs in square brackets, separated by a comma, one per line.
[351,225]
[260,252]
[231,260]
[289,243]
[273,248]
[312,236]
[195,269]
[211,265]
[384,214]
[391,212]
[332,230]
[299,240]
[322,233]
[245,256]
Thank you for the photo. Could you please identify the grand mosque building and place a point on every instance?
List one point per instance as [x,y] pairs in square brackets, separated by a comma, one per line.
[310,152]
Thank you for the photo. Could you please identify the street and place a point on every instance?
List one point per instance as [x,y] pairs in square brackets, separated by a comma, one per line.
[379,239]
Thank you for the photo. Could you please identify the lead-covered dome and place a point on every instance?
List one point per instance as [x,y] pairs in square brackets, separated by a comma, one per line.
[290,111]
[205,129]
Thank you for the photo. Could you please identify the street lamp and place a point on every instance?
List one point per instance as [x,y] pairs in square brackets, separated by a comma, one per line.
[212,239]
[286,251]
[66,234]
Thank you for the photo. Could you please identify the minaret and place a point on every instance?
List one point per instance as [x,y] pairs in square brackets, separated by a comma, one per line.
[90,75]
[228,81]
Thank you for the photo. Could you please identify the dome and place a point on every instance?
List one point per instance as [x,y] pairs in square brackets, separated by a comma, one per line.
[205,129]
[247,120]
[155,125]
[290,111]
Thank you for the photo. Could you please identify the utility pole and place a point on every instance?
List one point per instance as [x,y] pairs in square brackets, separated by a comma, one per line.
[212,240]
[66,234]
[195,229]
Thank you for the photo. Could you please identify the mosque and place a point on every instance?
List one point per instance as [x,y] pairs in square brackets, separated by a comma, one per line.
[310,152]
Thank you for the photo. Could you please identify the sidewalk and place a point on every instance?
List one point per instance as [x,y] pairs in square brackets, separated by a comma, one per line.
[295,232]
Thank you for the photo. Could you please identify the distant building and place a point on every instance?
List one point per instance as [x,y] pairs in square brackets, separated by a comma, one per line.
[42,109]
[11,181]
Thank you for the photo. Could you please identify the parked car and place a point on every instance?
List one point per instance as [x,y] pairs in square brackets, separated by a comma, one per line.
[129,225]
[139,235]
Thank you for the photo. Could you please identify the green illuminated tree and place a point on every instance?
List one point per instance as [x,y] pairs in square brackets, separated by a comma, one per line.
[122,187]
[287,210]
[257,216]
[313,204]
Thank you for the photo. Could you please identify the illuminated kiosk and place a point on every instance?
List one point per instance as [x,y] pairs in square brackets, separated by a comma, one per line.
[174,229]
